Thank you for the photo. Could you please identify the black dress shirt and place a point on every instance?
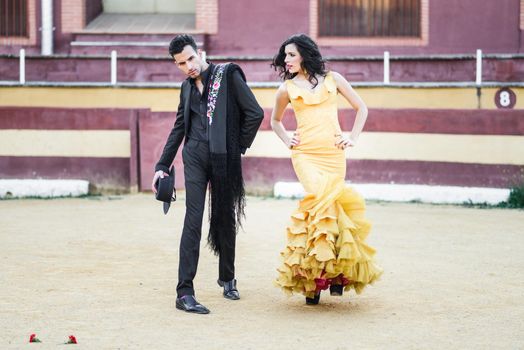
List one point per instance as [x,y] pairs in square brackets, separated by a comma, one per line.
[198,103]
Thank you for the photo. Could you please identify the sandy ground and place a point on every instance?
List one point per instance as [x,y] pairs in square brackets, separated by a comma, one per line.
[105,269]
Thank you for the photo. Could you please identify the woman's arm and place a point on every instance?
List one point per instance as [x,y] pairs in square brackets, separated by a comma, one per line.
[281,101]
[357,103]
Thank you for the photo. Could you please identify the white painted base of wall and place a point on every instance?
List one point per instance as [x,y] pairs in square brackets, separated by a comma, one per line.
[407,193]
[42,188]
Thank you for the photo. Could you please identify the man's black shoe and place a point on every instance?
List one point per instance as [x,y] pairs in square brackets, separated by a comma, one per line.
[230,289]
[188,303]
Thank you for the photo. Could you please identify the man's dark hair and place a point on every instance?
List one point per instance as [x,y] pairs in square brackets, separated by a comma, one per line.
[179,42]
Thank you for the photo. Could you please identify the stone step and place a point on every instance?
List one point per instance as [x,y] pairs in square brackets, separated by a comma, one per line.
[87,43]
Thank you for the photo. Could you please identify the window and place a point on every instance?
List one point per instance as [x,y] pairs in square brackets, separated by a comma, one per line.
[369,18]
[13,18]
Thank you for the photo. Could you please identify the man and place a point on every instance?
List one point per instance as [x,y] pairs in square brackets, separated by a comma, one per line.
[218,116]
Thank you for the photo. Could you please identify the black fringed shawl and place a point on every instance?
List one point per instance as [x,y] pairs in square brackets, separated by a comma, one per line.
[227,196]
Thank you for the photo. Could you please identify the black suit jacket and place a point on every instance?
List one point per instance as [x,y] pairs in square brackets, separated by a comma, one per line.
[251,114]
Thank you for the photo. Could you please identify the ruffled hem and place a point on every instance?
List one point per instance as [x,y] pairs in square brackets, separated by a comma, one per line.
[312,98]
[326,241]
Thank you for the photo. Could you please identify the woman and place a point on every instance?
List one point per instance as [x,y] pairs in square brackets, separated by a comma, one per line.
[326,240]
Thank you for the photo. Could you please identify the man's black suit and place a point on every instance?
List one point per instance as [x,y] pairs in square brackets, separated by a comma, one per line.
[192,124]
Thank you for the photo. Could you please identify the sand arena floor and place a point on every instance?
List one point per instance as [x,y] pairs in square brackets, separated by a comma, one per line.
[105,270]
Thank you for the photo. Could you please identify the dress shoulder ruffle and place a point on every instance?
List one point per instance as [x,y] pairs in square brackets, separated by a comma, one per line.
[328,86]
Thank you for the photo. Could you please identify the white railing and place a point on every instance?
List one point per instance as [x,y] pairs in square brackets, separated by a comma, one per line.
[22,66]
[113,67]
[386,67]
[478,80]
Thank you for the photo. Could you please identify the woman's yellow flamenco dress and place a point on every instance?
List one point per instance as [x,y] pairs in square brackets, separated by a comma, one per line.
[326,239]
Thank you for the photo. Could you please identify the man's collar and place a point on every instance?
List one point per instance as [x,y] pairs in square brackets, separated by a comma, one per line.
[205,74]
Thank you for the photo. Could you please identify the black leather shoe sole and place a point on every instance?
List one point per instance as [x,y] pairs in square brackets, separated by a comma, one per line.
[200,311]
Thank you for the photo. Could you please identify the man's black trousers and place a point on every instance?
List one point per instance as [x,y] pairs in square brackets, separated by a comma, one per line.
[197,173]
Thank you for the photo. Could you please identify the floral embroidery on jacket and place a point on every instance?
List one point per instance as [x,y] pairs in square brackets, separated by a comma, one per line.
[213,91]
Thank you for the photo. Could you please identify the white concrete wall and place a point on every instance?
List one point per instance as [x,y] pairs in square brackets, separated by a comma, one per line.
[408,193]
[20,188]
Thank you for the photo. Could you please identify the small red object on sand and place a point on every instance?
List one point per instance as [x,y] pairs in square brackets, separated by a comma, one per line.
[34,339]
[72,340]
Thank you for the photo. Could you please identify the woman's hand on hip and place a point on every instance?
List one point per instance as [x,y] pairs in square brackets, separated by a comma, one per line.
[344,142]
[294,141]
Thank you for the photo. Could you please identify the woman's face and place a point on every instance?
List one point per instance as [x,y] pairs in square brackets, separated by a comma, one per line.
[293,59]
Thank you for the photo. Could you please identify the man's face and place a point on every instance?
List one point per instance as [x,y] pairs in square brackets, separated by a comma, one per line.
[189,61]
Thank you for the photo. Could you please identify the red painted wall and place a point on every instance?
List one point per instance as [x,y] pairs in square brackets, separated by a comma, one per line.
[104,174]
[454,27]
[258,29]
[149,131]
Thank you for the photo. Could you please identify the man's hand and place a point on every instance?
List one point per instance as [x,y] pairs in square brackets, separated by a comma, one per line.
[158,174]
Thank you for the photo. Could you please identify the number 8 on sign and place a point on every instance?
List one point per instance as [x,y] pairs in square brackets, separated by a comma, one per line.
[505,98]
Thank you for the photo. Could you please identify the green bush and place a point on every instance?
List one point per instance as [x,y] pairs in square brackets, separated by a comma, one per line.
[516,197]
[515,200]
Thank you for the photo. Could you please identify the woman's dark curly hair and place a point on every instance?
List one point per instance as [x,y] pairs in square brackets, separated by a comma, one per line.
[312,61]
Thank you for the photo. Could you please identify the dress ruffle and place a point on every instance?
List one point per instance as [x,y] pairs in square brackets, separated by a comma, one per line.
[326,240]
[312,98]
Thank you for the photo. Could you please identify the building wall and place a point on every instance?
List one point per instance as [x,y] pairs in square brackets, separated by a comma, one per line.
[438,136]
[73,18]
[113,137]
[454,27]
[93,9]
[98,145]
[166,99]
[255,29]
[143,69]
[233,28]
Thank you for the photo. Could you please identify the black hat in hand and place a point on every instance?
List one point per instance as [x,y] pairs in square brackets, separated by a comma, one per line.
[165,189]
